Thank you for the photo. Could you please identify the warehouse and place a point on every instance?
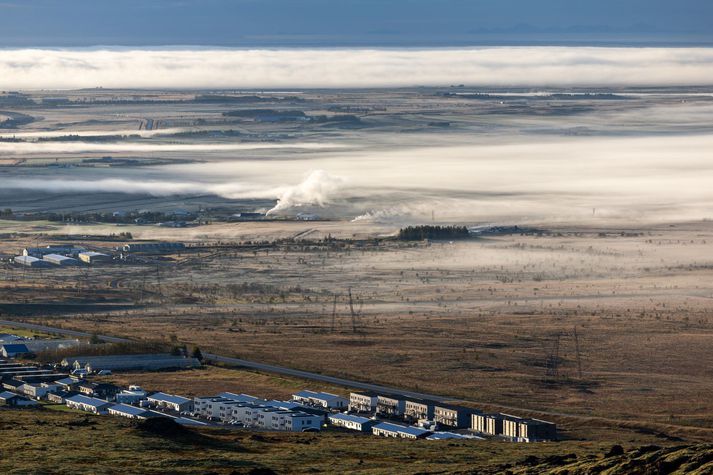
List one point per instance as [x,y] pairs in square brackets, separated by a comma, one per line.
[352,422]
[88,404]
[154,248]
[149,362]
[59,260]
[91,257]
[30,261]
[169,401]
[40,252]
[363,402]
[50,345]
[387,429]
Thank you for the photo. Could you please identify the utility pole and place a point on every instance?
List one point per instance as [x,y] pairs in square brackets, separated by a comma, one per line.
[334,313]
[552,361]
[351,308]
[576,347]
[158,282]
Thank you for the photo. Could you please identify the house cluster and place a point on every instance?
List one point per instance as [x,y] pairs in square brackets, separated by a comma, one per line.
[249,411]
[429,415]
[386,415]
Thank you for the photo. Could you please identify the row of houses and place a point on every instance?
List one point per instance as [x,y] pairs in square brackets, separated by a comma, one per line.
[449,416]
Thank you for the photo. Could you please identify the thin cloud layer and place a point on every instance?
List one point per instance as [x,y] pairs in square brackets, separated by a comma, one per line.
[260,68]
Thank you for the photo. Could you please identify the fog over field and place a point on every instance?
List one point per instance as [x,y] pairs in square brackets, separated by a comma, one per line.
[265,68]
[528,179]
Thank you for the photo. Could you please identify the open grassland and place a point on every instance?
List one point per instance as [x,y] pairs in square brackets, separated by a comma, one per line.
[44,441]
[212,380]
[477,320]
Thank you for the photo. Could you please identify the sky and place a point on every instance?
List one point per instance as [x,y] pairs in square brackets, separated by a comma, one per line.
[62,23]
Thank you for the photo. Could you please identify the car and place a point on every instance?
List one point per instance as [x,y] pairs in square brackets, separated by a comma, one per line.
[104,372]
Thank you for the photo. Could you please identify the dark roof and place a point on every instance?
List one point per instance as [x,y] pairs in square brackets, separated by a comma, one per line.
[5,395]
[15,348]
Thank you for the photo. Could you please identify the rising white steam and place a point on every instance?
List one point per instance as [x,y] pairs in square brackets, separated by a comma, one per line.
[260,68]
[317,189]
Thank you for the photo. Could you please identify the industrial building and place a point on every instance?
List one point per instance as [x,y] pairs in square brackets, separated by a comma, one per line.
[30,261]
[91,257]
[40,252]
[387,429]
[37,346]
[154,248]
[352,422]
[60,260]
[147,362]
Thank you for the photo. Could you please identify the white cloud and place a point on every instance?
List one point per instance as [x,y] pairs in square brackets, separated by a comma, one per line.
[259,68]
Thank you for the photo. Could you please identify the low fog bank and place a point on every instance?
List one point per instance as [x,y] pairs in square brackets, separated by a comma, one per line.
[564,180]
[327,68]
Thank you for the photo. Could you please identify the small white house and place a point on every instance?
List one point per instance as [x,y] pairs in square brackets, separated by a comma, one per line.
[387,429]
[130,412]
[169,401]
[352,422]
[88,404]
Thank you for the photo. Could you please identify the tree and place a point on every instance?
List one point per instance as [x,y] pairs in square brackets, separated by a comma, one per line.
[197,354]
[95,340]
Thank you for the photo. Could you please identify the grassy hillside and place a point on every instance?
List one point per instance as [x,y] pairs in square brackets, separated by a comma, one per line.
[47,441]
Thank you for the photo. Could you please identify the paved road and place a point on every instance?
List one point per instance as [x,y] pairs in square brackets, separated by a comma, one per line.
[240,362]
